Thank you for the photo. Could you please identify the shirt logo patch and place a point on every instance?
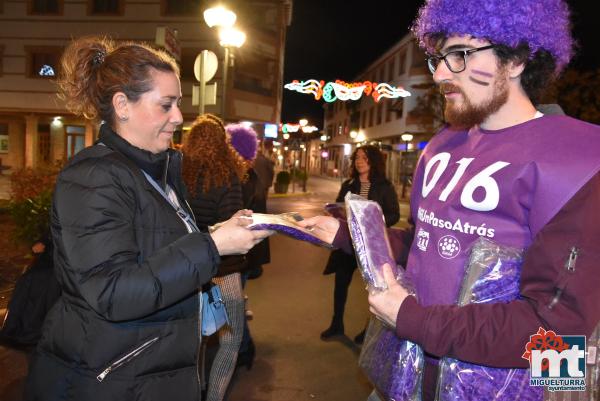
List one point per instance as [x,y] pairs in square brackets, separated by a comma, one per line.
[448,247]
[422,239]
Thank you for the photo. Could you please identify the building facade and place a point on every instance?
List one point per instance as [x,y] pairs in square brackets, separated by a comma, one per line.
[349,124]
[35,127]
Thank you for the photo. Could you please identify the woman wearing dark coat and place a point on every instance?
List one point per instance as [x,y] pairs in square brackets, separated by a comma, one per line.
[213,172]
[128,255]
[368,180]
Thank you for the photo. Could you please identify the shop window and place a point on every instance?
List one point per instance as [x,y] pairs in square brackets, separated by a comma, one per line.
[45,7]
[43,62]
[75,140]
[105,7]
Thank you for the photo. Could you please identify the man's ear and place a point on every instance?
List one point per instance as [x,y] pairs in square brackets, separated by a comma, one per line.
[120,103]
[515,69]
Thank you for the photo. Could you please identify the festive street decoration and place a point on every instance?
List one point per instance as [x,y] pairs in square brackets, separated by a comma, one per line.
[340,90]
[307,129]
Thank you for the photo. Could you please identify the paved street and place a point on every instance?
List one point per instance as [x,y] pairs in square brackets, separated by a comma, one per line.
[292,304]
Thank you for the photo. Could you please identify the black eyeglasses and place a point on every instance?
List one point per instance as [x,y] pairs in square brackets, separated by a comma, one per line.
[456,60]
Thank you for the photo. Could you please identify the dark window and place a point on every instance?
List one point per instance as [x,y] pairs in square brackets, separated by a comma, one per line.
[105,7]
[41,7]
[388,111]
[188,57]
[391,69]
[371,116]
[379,113]
[402,63]
[1,59]
[43,62]
[180,7]
[44,142]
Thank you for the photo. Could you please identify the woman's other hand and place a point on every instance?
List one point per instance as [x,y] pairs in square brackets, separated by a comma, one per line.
[234,238]
[323,227]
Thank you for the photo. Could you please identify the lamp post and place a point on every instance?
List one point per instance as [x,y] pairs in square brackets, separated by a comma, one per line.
[229,37]
[406,138]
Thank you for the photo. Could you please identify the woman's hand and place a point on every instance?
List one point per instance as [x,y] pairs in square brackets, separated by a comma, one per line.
[234,238]
[323,227]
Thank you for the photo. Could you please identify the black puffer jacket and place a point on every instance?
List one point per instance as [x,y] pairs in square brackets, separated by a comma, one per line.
[129,271]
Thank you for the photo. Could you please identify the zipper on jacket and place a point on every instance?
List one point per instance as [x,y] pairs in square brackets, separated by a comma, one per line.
[126,358]
[570,266]
[572,260]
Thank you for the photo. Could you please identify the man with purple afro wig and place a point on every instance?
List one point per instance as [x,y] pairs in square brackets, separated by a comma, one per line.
[503,171]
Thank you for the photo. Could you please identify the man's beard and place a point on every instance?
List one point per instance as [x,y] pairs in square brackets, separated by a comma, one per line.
[468,115]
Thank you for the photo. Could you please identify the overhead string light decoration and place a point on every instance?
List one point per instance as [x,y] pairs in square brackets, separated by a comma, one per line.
[340,90]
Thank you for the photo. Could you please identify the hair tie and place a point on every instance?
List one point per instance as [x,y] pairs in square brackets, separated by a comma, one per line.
[99,57]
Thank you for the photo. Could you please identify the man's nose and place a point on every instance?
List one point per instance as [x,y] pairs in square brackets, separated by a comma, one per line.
[442,73]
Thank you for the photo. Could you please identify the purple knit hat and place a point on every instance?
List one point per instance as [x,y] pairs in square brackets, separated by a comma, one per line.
[243,139]
[542,24]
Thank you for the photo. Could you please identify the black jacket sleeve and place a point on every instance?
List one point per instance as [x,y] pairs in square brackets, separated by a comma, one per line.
[389,203]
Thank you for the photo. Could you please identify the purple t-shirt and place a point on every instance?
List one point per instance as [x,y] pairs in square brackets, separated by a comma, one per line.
[504,185]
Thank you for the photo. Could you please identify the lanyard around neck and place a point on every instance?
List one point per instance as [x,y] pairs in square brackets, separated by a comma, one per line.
[183,215]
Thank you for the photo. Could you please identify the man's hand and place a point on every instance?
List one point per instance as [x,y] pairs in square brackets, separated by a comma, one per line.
[323,227]
[386,304]
[234,238]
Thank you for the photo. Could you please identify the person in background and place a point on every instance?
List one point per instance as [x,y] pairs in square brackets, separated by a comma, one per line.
[34,294]
[367,179]
[494,171]
[213,173]
[263,169]
[244,141]
[128,255]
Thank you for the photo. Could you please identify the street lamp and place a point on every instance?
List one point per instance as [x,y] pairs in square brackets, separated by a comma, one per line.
[406,138]
[229,37]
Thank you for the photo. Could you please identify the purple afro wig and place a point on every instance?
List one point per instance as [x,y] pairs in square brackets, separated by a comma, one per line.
[541,24]
[243,140]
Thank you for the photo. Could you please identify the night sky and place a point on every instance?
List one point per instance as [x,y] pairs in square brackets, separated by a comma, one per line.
[337,39]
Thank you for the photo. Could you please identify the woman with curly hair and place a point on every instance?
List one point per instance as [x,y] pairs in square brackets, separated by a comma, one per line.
[213,172]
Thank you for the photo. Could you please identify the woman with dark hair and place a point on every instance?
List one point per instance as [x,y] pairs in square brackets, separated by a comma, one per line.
[213,172]
[128,255]
[368,180]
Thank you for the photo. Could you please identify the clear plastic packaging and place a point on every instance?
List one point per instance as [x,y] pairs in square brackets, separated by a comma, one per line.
[492,275]
[370,241]
[394,366]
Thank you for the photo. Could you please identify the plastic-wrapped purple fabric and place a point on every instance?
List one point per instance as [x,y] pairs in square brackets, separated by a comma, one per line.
[394,366]
[370,240]
[285,223]
[492,275]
